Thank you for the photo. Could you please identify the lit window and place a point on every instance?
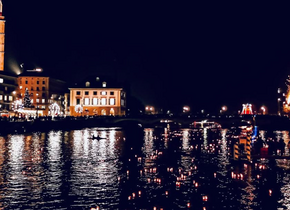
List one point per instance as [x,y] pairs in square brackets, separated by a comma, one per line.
[31,100]
[104,84]
[10,98]
[37,100]
[95,101]
[87,84]
[112,101]
[42,107]
[5,98]
[1,97]
[103,101]
[43,100]
[122,102]
[104,93]
[20,87]
[87,101]
[97,78]
[1,80]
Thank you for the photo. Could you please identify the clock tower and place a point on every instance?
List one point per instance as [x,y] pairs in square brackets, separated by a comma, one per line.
[2,37]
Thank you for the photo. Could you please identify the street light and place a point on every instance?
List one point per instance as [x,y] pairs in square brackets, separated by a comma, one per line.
[263,108]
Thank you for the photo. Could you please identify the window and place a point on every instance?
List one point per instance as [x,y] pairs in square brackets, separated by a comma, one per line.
[122,102]
[86,93]
[43,101]
[104,93]
[43,88]
[87,84]
[97,79]
[31,88]
[112,101]
[42,107]
[43,94]
[26,82]
[103,101]
[5,98]
[31,94]
[31,100]
[43,82]
[112,93]
[37,88]
[95,101]
[104,84]
[78,93]
[20,87]
[1,80]
[95,93]
[87,101]
[78,101]
[10,98]
[37,100]
[37,82]
[1,97]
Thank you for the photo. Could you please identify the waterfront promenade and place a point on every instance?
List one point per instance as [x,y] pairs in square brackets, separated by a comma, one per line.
[15,125]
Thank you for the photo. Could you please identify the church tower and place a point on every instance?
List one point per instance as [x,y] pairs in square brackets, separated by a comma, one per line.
[2,37]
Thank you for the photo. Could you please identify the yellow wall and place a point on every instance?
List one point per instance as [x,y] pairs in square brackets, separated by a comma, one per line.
[2,42]
[99,108]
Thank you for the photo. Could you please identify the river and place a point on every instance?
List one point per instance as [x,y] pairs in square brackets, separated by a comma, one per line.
[137,169]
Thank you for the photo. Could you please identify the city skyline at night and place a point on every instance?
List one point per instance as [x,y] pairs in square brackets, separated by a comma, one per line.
[203,56]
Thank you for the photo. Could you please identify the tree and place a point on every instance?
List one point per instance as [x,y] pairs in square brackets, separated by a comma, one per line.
[27,100]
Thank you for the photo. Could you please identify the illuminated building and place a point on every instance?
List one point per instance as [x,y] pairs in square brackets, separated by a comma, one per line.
[8,82]
[247,109]
[43,90]
[94,96]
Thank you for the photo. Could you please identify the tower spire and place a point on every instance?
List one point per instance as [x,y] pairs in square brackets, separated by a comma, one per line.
[1,7]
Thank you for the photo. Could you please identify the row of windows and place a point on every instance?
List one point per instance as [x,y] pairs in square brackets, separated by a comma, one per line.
[96,93]
[10,98]
[37,82]
[37,88]
[31,94]
[96,101]
[38,100]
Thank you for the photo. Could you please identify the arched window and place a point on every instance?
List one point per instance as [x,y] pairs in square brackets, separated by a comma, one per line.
[112,112]
[103,112]
[87,84]
[104,84]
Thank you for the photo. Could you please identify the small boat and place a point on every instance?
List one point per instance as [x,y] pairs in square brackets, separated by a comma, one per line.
[96,137]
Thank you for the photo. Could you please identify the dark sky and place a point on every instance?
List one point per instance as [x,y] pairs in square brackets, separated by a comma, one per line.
[204,56]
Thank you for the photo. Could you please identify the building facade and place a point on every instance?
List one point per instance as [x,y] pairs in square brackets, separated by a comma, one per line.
[43,91]
[96,97]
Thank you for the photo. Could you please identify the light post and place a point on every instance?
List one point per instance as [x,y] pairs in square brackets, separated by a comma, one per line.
[279,99]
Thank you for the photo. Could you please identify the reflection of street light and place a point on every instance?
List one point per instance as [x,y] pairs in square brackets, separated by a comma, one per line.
[279,99]
[263,108]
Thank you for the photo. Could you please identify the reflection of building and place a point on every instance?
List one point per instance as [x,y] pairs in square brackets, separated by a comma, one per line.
[43,90]
[97,97]
[247,109]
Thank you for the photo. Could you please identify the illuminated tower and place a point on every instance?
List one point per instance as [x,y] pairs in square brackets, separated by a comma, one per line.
[2,37]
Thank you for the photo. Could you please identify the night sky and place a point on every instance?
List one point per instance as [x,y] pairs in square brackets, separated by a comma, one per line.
[172,55]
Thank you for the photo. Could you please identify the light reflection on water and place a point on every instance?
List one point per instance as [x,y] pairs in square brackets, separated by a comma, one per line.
[164,168]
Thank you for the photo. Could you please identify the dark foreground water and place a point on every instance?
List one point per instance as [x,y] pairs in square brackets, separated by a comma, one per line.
[148,169]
